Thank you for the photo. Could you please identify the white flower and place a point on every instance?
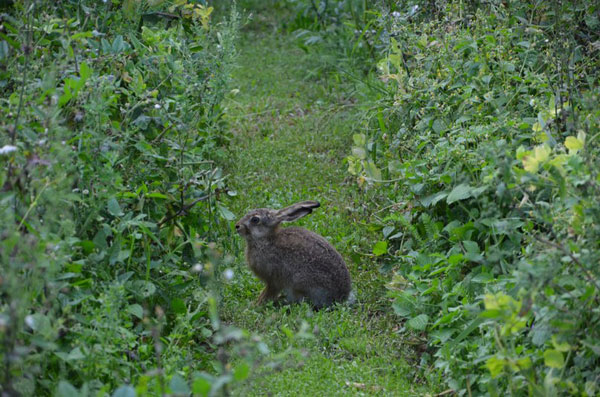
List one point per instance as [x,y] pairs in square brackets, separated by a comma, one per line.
[197,268]
[6,149]
[157,106]
[30,321]
[396,14]
[228,274]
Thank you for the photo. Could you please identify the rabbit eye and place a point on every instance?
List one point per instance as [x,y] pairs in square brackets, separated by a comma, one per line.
[254,220]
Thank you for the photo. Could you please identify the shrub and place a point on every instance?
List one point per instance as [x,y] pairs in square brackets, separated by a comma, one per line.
[482,154]
[110,197]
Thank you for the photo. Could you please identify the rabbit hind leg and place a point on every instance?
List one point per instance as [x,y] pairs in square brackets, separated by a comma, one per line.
[268,294]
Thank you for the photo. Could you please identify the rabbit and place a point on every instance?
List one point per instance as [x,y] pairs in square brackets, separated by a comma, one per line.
[293,260]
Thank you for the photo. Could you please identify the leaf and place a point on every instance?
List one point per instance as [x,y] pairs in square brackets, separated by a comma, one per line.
[114,208]
[460,192]
[419,322]
[65,389]
[387,231]
[124,391]
[84,71]
[359,139]
[372,171]
[178,306]
[380,248]
[225,212]
[241,372]
[573,144]
[433,199]
[524,363]
[359,152]
[179,386]
[136,310]
[553,359]
[438,126]
[495,365]
[4,51]
[201,386]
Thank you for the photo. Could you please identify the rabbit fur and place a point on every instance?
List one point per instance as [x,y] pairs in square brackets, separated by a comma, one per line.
[293,260]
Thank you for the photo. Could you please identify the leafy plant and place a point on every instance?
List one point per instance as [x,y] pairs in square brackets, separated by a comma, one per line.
[110,196]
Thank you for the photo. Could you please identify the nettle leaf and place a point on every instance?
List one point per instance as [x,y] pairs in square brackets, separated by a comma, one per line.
[380,248]
[359,152]
[554,359]
[225,212]
[241,371]
[433,199]
[136,310]
[495,365]
[460,192]
[418,323]
[178,385]
[124,391]
[65,389]
[114,208]
[372,171]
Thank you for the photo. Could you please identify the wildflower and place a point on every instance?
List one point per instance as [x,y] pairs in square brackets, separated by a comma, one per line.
[228,274]
[30,321]
[197,268]
[6,149]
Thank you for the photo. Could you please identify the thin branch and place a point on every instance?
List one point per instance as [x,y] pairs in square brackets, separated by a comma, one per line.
[590,276]
[182,210]
[26,48]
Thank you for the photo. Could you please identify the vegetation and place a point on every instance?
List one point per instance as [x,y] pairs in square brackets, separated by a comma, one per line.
[453,146]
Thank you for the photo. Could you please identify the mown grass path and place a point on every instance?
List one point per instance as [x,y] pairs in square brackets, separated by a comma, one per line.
[291,131]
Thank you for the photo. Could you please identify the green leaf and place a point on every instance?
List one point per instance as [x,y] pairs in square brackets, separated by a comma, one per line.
[178,306]
[65,389]
[85,71]
[418,323]
[495,365]
[372,171]
[433,199]
[114,208]
[359,152]
[459,192]
[124,391]
[380,248]
[201,386]
[241,371]
[554,359]
[136,310]
[359,139]
[225,213]
[179,386]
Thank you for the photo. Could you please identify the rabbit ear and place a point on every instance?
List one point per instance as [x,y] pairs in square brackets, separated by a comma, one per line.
[296,211]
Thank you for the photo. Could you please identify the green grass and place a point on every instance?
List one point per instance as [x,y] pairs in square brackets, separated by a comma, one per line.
[291,131]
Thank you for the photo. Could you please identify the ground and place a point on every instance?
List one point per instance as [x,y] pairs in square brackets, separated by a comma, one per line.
[291,128]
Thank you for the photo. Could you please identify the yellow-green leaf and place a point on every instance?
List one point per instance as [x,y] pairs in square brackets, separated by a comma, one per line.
[524,363]
[495,365]
[573,144]
[553,358]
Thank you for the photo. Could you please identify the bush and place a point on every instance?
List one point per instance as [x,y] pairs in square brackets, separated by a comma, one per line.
[483,154]
[110,197]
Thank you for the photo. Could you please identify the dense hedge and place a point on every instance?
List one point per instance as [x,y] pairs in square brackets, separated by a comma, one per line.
[110,197]
[480,146]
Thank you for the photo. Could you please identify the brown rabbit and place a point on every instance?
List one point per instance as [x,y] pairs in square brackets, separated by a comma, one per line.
[294,260]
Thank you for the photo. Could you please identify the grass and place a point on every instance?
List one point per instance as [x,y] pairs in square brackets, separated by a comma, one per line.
[291,130]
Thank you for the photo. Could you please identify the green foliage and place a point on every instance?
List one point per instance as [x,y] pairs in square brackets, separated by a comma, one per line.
[480,153]
[110,198]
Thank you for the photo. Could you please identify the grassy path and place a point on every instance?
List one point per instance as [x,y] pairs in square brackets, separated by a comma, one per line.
[292,130]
